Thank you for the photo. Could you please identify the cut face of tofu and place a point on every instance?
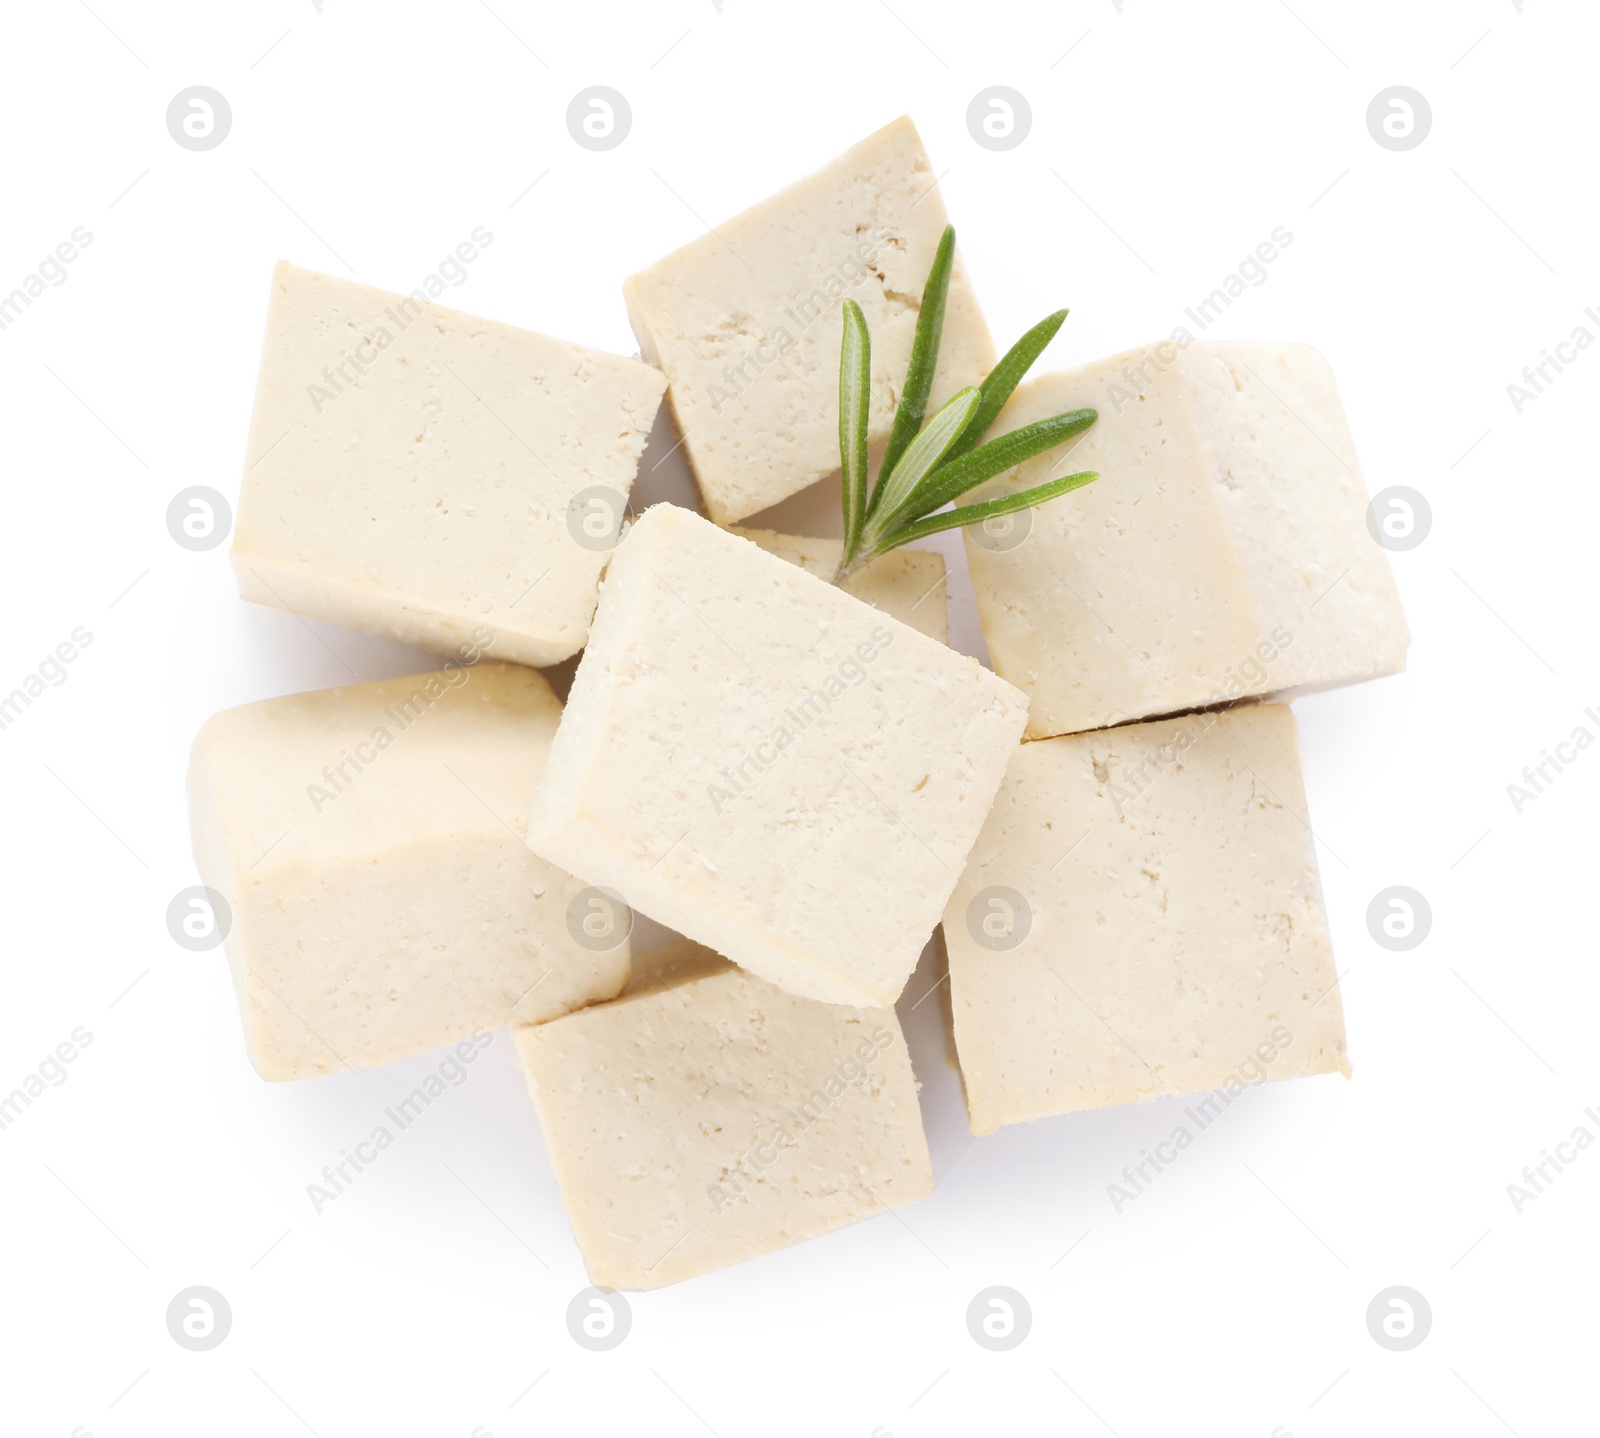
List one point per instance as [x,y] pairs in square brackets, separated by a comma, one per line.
[418,473]
[367,840]
[1142,916]
[907,583]
[747,322]
[1223,551]
[706,1117]
[768,765]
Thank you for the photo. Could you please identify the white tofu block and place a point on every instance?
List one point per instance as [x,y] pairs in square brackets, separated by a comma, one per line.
[706,1117]
[907,583]
[368,843]
[1142,916]
[419,473]
[769,766]
[1223,551]
[746,320]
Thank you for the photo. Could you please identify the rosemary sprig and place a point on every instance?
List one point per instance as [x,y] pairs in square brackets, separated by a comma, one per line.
[855,395]
[926,467]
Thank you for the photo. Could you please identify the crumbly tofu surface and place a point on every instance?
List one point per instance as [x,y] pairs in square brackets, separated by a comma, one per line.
[769,766]
[1223,552]
[367,841]
[418,473]
[707,1117]
[1142,916]
[907,583]
[747,321]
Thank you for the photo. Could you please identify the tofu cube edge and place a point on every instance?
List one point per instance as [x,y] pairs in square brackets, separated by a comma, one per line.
[705,1117]
[419,473]
[768,765]
[1223,553]
[746,320]
[1142,917]
[367,840]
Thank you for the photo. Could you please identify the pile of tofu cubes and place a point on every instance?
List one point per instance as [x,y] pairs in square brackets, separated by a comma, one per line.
[803,780]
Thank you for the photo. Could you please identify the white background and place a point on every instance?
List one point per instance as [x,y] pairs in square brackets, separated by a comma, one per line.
[1168,140]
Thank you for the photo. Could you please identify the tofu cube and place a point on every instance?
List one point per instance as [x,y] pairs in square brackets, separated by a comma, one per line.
[769,766]
[419,473]
[746,320]
[1141,917]
[1223,552]
[706,1117]
[907,583]
[367,841]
